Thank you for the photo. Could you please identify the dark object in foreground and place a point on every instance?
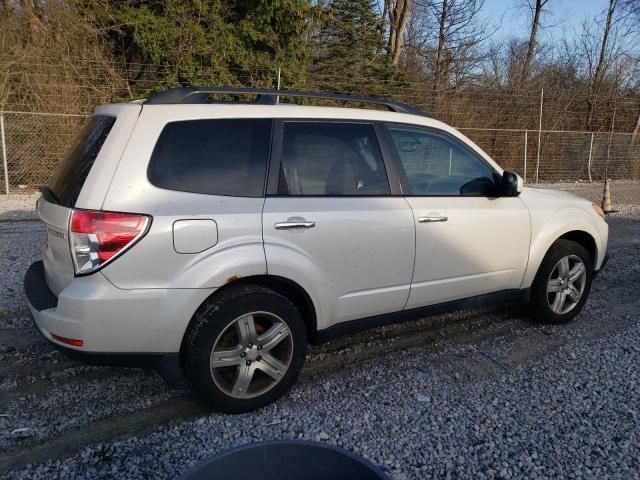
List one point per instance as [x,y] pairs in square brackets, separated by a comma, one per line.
[287,460]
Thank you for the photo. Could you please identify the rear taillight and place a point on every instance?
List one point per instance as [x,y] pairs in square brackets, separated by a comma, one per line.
[99,237]
[69,341]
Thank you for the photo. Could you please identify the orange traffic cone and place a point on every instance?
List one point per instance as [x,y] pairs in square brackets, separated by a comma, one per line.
[606,198]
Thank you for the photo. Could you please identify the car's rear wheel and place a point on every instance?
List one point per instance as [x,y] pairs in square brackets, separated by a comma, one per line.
[562,284]
[245,348]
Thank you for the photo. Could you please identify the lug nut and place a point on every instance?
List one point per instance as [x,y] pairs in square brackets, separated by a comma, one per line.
[248,363]
[242,355]
[259,347]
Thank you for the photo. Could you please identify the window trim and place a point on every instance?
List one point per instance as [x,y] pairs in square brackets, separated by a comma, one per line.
[261,194]
[275,156]
[402,175]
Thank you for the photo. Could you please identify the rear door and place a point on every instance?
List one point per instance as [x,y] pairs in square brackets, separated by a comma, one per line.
[469,239]
[334,223]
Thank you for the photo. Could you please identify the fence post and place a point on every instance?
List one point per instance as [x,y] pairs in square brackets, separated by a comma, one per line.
[525,155]
[539,134]
[4,155]
[590,151]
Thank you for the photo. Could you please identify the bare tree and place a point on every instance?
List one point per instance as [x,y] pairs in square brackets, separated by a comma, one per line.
[536,10]
[459,32]
[443,15]
[398,12]
[616,35]
[600,68]
[52,57]
[4,8]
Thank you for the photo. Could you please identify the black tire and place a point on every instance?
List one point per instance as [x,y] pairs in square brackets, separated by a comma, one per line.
[212,319]
[539,308]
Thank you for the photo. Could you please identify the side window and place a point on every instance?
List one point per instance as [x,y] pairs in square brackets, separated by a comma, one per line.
[333,159]
[437,165]
[216,157]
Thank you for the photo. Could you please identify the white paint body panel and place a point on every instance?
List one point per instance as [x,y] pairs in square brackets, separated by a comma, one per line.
[356,262]
[153,262]
[56,254]
[112,320]
[482,247]
[98,181]
[555,213]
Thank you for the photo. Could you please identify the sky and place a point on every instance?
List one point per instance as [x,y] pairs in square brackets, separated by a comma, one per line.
[562,16]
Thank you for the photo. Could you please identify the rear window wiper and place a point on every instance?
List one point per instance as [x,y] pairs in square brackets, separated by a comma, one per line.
[49,195]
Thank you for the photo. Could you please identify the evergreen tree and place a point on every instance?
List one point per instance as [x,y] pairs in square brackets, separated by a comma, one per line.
[271,34]
[350,49]
[196,42]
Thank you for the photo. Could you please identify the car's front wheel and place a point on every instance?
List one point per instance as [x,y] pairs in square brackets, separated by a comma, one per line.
[562,284]
[245,349]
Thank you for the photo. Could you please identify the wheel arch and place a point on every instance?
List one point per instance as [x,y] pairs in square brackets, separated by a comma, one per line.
[581,236]
[281,285]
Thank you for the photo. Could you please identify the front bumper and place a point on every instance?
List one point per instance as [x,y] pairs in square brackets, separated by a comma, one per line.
[602,265]
[116,326]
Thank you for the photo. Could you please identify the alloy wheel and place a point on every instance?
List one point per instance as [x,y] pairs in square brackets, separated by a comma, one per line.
[251,355]
[566,284]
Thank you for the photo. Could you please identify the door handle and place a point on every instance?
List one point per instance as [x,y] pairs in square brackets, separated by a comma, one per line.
[431,219]
[293,225]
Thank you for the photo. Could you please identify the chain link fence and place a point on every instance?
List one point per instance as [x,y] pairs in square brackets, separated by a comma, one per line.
[556,156]
[33,144]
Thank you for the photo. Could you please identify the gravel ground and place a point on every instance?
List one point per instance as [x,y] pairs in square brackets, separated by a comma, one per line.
[18,221]
[624,193]
[476,394]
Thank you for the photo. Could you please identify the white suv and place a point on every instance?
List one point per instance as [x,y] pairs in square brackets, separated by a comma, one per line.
[227,235]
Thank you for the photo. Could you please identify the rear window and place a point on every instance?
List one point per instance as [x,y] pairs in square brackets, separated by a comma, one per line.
[75,167]
[216,157]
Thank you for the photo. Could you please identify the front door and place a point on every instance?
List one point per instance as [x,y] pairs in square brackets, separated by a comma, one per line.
[469,240]
[333,225]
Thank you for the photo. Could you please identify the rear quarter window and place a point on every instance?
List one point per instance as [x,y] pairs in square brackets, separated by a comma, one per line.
[215,157]
[74,168]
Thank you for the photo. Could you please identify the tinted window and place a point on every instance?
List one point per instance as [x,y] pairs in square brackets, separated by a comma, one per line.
[217,157]
[75,167]
[331,159]
[437,165]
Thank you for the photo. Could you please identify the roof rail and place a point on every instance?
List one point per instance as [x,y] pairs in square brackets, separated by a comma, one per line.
[194,95]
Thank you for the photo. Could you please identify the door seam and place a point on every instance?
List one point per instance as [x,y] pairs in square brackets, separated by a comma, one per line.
[415,250]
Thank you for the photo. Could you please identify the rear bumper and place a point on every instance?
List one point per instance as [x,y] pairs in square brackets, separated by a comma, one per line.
[121,359]
[39,296]
[117,327]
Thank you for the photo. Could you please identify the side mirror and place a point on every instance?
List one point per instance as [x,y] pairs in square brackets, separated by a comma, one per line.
[512,184]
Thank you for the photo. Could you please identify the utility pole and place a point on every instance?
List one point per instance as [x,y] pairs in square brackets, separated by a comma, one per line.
[4,155]
[525,155]
[539,136]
